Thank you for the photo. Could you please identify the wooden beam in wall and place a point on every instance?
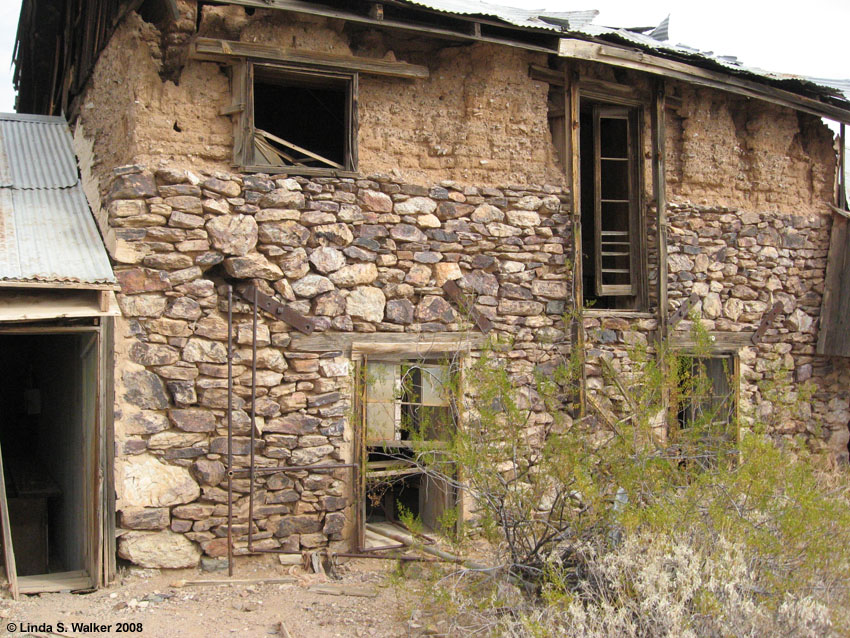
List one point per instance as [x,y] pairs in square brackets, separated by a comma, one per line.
[573,132]
[225,50]
[640,61]
[468,32]
[659,185]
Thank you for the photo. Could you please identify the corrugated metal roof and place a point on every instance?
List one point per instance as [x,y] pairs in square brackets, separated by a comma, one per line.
[529,18]
[37,152]
[47,232]
[580,24]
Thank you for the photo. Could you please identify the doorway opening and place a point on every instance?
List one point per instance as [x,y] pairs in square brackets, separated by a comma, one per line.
[50,449]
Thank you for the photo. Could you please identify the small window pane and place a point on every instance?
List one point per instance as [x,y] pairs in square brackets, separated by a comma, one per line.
[435,385]
[381,422]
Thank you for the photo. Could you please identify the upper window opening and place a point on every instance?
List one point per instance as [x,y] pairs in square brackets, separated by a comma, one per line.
[301,120]
[610,211]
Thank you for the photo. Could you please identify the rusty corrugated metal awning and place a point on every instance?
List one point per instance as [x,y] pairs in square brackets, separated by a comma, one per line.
[47,233]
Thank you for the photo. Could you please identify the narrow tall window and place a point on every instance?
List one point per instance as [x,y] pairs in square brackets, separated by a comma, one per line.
[610,205]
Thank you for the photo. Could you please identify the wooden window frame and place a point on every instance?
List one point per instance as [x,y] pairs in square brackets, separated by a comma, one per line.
[628,115]
[734,371]
[363,445]
[245,154]
[603,101]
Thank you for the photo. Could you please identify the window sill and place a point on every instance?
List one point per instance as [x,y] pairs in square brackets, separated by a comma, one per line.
[599,313]
[307,171]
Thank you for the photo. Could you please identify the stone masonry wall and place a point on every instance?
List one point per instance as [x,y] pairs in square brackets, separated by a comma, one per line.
[740,263]
[355,255]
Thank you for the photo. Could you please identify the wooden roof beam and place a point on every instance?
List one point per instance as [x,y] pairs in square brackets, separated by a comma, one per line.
[640,61]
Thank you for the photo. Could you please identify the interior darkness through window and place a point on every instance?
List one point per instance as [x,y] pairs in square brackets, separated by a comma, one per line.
[310,116]
[615,210]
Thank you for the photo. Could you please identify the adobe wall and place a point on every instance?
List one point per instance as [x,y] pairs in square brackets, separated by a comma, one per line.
[478,119]
[357,256]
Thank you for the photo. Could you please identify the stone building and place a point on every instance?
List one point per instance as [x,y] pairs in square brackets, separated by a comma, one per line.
[398,183]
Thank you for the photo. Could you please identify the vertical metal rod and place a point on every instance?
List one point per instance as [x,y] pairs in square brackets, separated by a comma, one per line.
[230,431]
[253,420]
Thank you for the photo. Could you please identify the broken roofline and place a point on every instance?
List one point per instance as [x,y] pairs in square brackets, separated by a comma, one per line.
[694,68]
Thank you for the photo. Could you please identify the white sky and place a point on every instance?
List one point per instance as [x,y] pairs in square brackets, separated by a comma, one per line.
[807,38]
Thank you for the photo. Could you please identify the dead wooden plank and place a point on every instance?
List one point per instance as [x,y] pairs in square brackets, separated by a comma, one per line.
[295,147]
[63,581]
[455,294]
[214,49]
[834,331]
[282,630]
[682,311]
[641,61]
[766,320]
[341,589]
[285,580]
[8,551]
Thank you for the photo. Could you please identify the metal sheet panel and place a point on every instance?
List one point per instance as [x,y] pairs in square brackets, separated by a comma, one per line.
[528,18]
[50,235]
[47,232]
[37,152]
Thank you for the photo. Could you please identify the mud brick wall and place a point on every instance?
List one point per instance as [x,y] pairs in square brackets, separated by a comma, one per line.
[354,255]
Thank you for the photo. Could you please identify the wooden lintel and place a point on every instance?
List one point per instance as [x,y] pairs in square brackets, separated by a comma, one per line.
[603,86]
[214,49]
[433,342]
[682,311]
[641,61]
[766,320]
[718,341]
[466,306]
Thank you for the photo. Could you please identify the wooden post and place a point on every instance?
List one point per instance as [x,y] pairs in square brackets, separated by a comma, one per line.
[8,551]
[659,185]
[573,136]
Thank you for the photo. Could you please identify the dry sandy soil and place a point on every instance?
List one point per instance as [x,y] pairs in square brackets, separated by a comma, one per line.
[149,599]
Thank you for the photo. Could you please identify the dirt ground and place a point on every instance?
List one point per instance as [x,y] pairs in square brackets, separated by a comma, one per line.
[152,606]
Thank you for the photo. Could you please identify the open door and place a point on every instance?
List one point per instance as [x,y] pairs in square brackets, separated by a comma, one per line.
[52,452]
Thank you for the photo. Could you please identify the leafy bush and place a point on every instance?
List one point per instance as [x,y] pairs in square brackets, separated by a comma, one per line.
[636,526]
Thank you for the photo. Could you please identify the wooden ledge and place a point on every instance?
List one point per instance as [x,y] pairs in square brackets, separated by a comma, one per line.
[218,50]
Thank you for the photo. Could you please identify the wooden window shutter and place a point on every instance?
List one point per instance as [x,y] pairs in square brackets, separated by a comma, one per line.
[615,192]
